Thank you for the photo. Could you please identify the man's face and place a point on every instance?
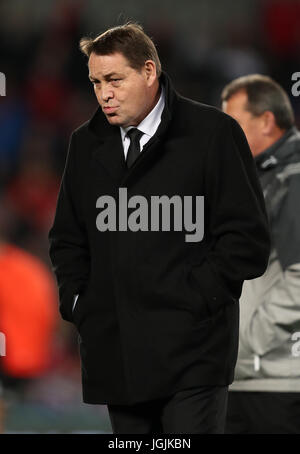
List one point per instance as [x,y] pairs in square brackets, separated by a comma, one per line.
[251,125]
[122,92]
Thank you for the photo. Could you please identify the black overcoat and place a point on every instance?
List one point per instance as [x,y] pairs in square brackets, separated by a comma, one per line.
[156,313]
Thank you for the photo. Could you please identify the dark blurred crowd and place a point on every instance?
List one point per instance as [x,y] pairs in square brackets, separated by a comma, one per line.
[48,93]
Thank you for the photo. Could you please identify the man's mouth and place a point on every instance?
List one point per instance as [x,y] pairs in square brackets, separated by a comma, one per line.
[109,110]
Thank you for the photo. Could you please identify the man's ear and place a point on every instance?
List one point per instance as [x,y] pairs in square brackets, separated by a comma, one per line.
[150,71]
[269,122]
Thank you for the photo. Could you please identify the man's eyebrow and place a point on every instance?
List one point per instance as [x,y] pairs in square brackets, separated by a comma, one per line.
[107,76]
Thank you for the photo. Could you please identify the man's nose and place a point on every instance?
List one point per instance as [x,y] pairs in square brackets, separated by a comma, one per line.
[106,93]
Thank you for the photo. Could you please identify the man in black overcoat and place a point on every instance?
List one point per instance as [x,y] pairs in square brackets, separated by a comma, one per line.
[160,218]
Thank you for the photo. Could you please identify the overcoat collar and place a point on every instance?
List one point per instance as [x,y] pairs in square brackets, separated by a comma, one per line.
[109,150]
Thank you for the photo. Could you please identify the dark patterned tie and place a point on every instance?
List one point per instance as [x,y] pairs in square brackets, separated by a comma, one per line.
[134,135]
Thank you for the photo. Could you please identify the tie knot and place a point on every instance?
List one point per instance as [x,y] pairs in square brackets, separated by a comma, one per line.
[134,134]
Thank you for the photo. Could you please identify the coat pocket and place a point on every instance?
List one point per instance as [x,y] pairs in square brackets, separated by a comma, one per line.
[214,296]
[75,302]
[79,308]
[197,302]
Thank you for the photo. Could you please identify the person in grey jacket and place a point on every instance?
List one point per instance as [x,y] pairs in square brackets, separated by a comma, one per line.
[265,396]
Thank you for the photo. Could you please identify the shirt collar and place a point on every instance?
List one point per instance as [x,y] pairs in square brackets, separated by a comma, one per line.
[151,122]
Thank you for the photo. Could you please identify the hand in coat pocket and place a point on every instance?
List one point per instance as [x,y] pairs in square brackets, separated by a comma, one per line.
[210,297]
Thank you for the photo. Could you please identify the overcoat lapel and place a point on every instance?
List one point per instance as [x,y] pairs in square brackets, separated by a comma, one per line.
[109,154]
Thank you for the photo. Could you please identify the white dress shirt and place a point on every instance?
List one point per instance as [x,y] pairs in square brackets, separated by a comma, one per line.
[148,126]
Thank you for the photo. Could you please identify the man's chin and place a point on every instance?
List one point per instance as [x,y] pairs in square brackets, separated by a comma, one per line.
[114,119]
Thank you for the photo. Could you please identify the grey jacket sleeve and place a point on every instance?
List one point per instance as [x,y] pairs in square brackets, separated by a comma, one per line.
[270,305]
[269,323]
[286,231]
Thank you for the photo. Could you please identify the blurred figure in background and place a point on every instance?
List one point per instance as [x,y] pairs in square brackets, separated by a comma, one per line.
[265,397]
[28,317]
